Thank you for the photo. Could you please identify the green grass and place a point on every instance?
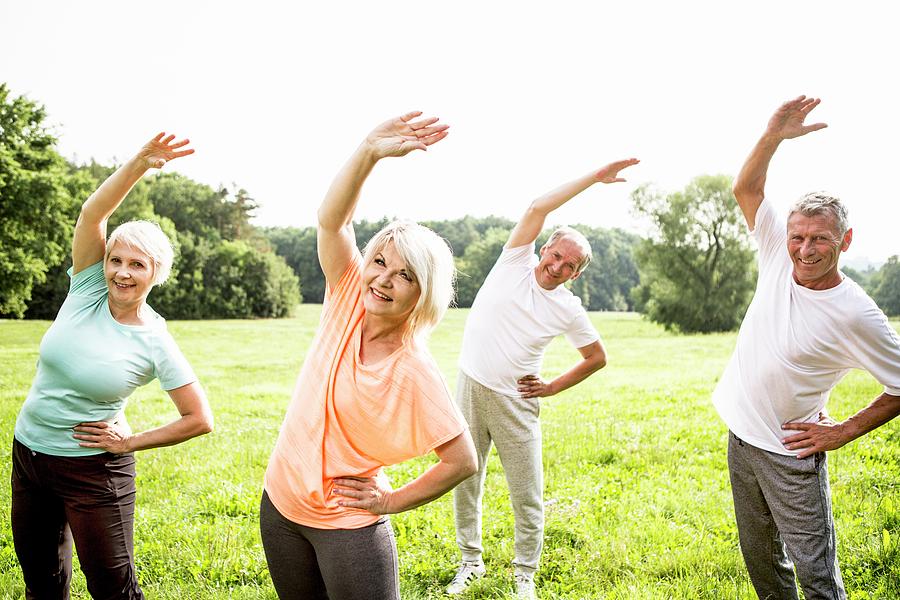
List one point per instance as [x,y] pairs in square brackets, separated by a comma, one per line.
[636,484]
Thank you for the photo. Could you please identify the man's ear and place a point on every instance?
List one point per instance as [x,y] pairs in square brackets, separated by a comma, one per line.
[848,237]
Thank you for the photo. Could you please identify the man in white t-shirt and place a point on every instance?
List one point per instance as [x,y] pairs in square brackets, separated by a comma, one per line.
[806,327]
[519,309]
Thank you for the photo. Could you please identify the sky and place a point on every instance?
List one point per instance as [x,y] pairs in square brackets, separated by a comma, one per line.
[276,95]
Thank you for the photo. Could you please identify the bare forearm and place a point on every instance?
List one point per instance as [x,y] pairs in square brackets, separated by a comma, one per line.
[750,185]
[577,374]
[103,202]
[183,429]
[340,201]
[562,194]
[430,485]
[531,223]
[884,408]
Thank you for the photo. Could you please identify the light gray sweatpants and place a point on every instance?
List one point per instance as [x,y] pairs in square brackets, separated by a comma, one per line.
[783,509]
[512,424]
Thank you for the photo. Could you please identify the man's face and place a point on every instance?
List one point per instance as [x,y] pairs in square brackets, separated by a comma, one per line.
[815,244]
[558,264]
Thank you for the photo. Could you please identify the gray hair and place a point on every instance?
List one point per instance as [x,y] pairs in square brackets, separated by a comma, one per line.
[823,203]
[579,239]
[148,238]
[430,261]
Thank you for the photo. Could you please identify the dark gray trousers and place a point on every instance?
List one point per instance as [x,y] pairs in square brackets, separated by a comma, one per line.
[307,563]
[783,510]
[88,499]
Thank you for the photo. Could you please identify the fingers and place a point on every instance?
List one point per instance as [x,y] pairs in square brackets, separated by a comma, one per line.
[410,115]
[813,127]
[435,138]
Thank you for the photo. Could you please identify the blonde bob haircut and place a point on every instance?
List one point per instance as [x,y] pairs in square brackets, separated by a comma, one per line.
[429,260]
[148,238]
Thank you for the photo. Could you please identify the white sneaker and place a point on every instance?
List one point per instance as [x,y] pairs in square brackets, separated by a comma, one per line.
[469,571]
[525,587]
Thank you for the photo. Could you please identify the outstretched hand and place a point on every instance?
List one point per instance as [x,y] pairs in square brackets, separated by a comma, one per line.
[610,173]
[162,149]
[402,135]
[787,122]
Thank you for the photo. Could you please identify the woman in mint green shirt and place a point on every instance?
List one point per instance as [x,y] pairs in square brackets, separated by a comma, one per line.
[73,452]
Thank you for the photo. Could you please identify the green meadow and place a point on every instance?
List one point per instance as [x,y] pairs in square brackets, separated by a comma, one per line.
[638,503]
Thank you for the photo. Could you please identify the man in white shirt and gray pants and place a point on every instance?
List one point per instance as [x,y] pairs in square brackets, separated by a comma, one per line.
[805,328]
[521,307]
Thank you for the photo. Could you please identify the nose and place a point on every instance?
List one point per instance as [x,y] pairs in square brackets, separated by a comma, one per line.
[384,280]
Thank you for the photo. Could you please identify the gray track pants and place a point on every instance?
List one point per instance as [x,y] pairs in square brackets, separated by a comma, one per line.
[512,423]
[783,510]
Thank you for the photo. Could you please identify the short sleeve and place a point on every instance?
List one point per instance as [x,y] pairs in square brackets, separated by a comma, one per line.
[770,234]
[88,282]
[518,256]
[436,419]
[875,346]
[582,331]
[170,365]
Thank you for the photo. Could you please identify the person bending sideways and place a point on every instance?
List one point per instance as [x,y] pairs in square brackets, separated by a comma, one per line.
[369,395]
[807,325]
[73,465]
[521,307]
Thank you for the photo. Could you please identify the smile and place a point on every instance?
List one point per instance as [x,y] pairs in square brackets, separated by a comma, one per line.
[809,262]
[379,295]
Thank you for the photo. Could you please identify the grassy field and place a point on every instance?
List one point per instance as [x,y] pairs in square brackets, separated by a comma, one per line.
[636,485]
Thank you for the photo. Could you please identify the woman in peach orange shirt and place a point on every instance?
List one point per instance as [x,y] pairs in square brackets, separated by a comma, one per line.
[369,395]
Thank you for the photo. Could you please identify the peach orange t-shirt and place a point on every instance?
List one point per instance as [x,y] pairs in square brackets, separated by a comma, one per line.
[350,419]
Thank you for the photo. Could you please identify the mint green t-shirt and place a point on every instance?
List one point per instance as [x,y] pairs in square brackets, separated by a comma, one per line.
[88,365]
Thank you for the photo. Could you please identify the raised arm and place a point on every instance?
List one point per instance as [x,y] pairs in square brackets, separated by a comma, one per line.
[786,123]
[89,241]
[531,223]
[397,137]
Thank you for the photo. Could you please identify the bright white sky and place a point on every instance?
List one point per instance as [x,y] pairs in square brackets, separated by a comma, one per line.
[275,96]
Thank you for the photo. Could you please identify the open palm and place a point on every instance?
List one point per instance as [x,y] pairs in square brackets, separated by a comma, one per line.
[788,120]
[162,148]
[402,135]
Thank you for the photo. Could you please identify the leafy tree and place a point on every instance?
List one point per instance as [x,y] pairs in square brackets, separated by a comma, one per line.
[477,262]
[35,204]
[887,294]
[697,270]
[607,282]
[298,248]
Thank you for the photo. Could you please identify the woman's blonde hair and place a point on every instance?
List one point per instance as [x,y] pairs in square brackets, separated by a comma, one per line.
[148,238]
[430,262]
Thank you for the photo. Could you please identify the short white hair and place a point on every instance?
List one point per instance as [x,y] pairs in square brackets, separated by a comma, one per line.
[578,238]
[823,203]
[146,237]
[429,260]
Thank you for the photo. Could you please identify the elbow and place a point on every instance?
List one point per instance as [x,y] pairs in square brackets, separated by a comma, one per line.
[466,470]
[204,424]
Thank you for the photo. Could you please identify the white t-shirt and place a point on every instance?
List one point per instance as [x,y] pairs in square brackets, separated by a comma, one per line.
[512,321]
[795,344]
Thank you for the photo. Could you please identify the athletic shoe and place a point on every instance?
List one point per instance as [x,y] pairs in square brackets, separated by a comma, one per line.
[525,587]
[469,571]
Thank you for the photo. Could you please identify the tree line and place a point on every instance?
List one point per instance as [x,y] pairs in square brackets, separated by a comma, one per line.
[695,272]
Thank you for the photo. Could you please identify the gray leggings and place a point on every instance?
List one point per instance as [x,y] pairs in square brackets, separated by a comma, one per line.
[333,564]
